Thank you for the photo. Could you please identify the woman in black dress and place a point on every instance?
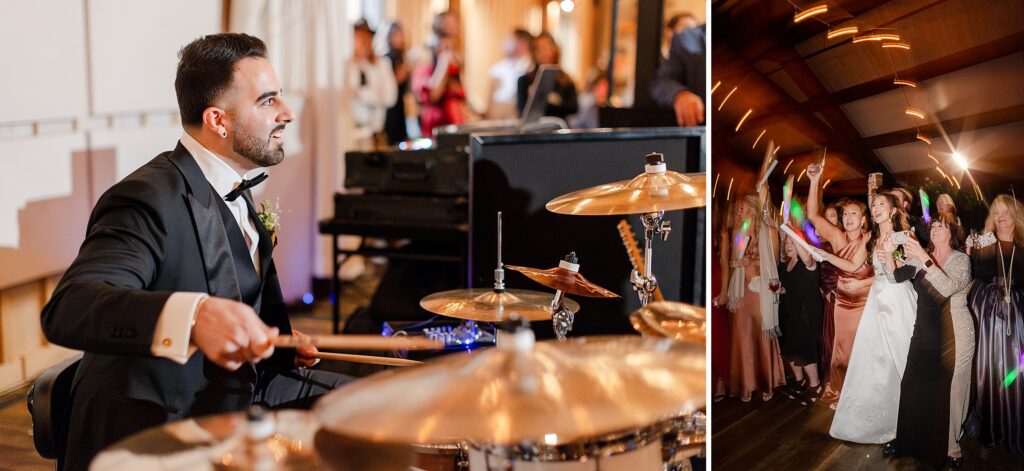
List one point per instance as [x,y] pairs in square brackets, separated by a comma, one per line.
[800,315]
[394,118]
[922,430]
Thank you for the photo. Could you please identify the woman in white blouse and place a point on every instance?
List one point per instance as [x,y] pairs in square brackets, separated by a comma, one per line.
[370,88]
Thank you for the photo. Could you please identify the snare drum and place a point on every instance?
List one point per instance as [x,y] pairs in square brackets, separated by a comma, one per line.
[635,450]
[440,458]
[684,440]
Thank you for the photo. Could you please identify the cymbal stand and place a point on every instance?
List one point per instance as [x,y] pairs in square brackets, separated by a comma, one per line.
[645,283]
[561,317]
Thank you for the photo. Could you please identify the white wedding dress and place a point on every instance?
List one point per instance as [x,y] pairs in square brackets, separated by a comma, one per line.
[869,405]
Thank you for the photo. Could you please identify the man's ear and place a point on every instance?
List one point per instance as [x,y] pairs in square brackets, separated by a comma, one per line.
[215,119]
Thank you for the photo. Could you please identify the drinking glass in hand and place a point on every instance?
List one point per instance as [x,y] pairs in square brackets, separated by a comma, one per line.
[813,170]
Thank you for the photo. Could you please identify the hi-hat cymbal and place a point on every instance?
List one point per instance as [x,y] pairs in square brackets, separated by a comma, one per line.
[488,305]
[551,393]
[647,193]
[570,282]
[677,321]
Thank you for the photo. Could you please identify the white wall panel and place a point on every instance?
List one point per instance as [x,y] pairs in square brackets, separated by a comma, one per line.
[43,57]
[133,147]
[134,49]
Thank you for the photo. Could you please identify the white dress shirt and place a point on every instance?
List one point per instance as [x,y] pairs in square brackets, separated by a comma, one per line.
[174,326]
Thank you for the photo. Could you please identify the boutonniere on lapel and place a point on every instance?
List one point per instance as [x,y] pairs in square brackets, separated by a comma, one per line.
[270,218]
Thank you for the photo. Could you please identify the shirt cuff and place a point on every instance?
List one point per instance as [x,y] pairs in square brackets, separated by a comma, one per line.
[174,327]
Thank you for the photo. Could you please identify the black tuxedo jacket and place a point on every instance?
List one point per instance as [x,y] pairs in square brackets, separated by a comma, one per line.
[162,229]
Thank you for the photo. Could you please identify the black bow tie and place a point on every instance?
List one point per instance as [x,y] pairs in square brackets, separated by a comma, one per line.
[245,185]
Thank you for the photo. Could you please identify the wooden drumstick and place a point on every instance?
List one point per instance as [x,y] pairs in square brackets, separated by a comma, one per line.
[372,360]
[357,342]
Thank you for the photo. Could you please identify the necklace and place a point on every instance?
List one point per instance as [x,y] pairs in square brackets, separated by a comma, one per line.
[1007,279]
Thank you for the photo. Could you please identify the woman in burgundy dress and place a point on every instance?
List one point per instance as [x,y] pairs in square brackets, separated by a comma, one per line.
[829,279]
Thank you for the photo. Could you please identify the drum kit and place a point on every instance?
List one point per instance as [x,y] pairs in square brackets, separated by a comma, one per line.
[587,403]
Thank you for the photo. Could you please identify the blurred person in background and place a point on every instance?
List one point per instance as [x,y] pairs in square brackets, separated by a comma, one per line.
[681,79]
[394,49]
[676,24]
[370,87]
[438,88]
[561,102]
[506,72]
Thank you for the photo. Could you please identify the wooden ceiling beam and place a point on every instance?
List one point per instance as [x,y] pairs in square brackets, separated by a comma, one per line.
[970,57]
[953,126]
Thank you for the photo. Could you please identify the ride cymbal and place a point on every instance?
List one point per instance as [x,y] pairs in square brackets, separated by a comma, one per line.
[657,189]
[551,392]
[489,305]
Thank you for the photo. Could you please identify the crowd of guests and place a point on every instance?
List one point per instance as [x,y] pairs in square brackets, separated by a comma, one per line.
[860,314]
[399,92]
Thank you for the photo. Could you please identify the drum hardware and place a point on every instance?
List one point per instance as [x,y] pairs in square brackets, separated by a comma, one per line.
[650,194]
[635,258]
[565,278]
[494,305]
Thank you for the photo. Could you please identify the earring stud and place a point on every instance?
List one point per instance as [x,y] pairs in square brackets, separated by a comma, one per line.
[224,134]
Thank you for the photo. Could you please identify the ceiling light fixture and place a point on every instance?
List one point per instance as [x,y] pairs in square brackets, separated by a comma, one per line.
[727,97]
[960,159]
[810,12]
[915,113]
[758,138]
[744,118]
[875,36]
[896,45]
[905,83]
[844,31]
[923,139]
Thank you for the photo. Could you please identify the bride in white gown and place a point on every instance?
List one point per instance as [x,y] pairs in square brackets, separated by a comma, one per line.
[869,405]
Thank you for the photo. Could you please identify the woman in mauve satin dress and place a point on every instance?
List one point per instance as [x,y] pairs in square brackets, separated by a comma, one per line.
[755,359]
[852,288]
[997,302]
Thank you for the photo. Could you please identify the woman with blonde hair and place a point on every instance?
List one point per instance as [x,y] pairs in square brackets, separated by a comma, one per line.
[997,301]
[755,360]
[845,300]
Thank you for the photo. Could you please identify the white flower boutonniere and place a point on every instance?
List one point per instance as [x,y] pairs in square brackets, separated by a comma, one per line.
[269,215]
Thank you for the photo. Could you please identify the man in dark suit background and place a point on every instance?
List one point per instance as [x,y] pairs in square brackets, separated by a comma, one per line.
[682,78]
[174,296]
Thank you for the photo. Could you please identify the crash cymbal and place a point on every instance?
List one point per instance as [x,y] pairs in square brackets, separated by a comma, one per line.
[566,279]
[657,189]
[674,320]
[551,392]
[489,305]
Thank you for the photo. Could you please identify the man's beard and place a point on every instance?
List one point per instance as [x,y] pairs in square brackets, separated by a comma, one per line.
[257,150]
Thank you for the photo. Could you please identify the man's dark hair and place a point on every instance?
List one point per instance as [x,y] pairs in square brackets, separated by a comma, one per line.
[523,35]
[205,69]
[678,17]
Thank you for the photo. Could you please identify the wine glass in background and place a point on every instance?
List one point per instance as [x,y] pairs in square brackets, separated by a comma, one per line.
[774,285]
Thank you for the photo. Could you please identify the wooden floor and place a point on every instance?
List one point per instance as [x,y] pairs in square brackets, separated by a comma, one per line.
[783,434]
